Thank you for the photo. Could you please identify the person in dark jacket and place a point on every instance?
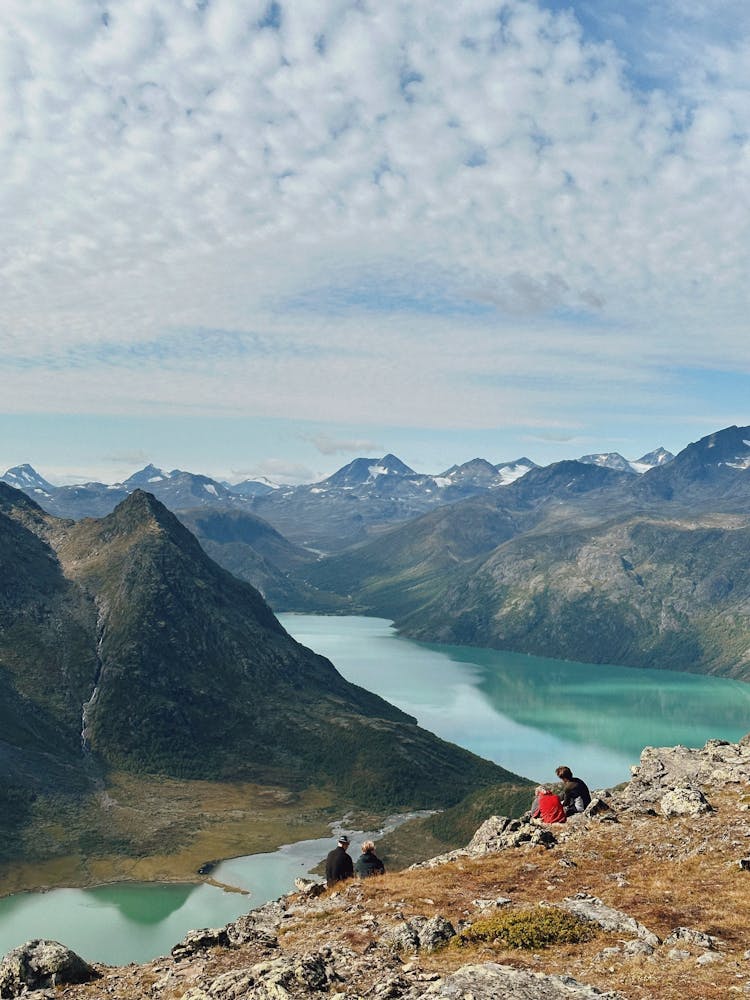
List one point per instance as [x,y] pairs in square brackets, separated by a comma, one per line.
[576,795]
[338,863]
[368,863]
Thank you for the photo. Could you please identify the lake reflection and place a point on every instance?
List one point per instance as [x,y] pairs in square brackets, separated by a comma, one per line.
[530,713]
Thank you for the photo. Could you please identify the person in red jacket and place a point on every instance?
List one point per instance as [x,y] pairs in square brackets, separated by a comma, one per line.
[547,806]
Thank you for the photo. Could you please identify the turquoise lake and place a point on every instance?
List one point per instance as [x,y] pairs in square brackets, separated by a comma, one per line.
[524,712]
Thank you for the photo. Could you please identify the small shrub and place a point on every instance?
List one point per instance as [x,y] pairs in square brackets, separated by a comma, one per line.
[529,929]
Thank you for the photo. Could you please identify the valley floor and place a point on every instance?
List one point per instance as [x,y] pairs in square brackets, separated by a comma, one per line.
[160,829]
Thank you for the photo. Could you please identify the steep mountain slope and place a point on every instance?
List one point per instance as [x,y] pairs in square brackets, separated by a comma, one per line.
[578,561]
[407,567]
[252,550]
[638,592]
[710,474]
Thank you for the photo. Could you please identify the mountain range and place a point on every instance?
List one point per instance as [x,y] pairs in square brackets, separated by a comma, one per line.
[355,502]
[600,559]
[577,561]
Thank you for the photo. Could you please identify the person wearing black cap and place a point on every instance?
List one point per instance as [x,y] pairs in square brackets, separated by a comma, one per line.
[338,863]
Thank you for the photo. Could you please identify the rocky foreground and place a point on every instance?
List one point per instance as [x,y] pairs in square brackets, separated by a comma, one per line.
[655,876]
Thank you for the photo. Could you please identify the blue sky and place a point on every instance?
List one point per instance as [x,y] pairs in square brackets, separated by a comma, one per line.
[257,239]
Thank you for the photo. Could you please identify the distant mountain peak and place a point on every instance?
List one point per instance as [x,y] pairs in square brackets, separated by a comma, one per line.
[608,460]
[149,474]
[25,477]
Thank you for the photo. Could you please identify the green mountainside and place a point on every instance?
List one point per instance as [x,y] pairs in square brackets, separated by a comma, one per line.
[404,568]
[638,592]
[124,646]
[252,550]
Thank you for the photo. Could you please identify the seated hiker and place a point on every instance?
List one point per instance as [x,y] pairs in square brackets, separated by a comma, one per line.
[338,863]
[547,806]
[368,863]
[576,795]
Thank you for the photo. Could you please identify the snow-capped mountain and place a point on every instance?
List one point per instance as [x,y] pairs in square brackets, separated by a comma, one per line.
[614,460]
[27,479]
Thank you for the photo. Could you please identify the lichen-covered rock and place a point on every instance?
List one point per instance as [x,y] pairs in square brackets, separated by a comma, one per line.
[688,936]
[592,908]
[435,933]
[195,941]
[259,925]
[500,832]
[684,802]
[419,934]
[40,964]
[492,982]
[308,887]
[275,979]
[491,904]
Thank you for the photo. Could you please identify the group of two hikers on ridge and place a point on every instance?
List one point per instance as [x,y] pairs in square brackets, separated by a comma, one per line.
[339,865]
[548,807]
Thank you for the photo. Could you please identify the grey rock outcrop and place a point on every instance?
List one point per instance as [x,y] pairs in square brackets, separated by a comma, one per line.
[664,769]
[41,964]
[200,940]
[419,934]
[496,834]
[491,981]
[308,887]
[592,908]
[684,802]
[687,935]
[272,980]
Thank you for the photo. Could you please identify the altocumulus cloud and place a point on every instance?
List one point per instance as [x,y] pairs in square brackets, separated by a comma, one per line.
[221,164]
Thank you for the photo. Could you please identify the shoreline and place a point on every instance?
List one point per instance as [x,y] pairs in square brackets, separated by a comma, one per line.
[383,825]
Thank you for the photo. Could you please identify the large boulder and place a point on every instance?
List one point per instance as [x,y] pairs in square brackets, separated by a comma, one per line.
[491,981]
[419,934]
[607,917]
[684,802]
[39,965]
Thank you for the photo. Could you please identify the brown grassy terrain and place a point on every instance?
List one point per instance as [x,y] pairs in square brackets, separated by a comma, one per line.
[163,829]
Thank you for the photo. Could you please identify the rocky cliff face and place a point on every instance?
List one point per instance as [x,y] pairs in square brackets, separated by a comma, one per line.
[653,877]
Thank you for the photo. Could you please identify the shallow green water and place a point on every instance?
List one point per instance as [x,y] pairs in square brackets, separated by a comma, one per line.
[527,713]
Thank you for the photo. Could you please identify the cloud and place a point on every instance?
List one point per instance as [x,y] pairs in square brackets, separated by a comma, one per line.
[473,215]
[277,470]
[329,446]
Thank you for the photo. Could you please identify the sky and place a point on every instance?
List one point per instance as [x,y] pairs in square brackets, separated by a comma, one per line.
[255,239]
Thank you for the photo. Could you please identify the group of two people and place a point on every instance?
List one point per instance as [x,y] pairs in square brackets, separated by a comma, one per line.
[339,865]
[552,808]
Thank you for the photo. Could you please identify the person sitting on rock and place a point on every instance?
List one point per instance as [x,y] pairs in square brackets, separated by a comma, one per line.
[576,795]
[338,863]
[368,863]
[547,806]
